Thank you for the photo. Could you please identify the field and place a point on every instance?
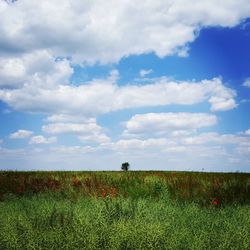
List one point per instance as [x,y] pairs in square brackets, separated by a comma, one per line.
[124,210]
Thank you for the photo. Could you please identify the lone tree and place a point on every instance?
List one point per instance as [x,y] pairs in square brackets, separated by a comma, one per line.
[125,166]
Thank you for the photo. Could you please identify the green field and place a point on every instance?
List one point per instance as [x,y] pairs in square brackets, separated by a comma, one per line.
[124,210]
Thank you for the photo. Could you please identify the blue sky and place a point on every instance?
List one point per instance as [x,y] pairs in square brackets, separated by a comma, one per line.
[88,85]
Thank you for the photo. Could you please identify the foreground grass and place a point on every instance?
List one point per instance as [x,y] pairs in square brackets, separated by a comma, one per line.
[50,221]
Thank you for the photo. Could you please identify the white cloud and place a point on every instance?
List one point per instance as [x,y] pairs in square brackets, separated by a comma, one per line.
[94,137]
[169,153]
[222,103]
[87,132]
[69,150]
[247,132]
[145,72]
[134,145]
[211,151]
[20,134]
[37,69]
[243,151]
[246,83]
[181,133]
[166,122]
[105,95]
[164,148]
[61,118]
[71,128]
[106,31]
[39,139]
[213,137]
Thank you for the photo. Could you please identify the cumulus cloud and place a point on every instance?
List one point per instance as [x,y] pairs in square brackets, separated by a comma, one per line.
[88,132]
[39,139]
[102,96]
[212,137]
[69,150]
[185,149]
[166,122]
[167,150]
[37,69]
[20,134]
[94,137]
[246,83]
[150,153]
[137,144]
[145,72]
[222,103]
[61,118]
[79,29]
[71,128]
[247,132]
[34,78]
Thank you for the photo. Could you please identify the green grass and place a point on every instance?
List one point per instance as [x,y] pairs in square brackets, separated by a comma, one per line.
[146,211]
[202,188]
[45,221]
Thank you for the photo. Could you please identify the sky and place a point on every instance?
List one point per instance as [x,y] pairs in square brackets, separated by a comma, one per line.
[87,85]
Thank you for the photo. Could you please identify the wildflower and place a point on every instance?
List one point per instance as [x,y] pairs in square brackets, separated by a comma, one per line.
[104,194]
[216,202]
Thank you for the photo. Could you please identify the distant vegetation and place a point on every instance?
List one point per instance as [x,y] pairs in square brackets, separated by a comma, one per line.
[113,210]
[201,188]
[125,166]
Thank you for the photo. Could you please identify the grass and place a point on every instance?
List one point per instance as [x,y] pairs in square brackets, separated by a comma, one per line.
[113,210]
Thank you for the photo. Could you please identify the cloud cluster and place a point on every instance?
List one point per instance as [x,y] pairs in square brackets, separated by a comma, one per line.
[40,139]
[216,138]
[198,146]
[247,132]
[42,41]
[98,31]
[105,95]
[246,83]
[87,131]
[20,134]
[34,70]
[61,118]
[212,151]
[163,123]
[70,128]
[144,72]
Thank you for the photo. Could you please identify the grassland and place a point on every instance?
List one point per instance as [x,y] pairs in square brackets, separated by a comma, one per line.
[118,210]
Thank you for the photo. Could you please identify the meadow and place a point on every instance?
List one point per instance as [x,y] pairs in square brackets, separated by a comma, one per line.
[124,210]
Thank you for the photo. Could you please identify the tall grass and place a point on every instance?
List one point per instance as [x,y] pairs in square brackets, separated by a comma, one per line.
[116,210]
[47,221]
[202,188]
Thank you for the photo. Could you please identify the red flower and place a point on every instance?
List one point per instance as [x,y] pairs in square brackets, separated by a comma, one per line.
[216,202]
[104,194]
